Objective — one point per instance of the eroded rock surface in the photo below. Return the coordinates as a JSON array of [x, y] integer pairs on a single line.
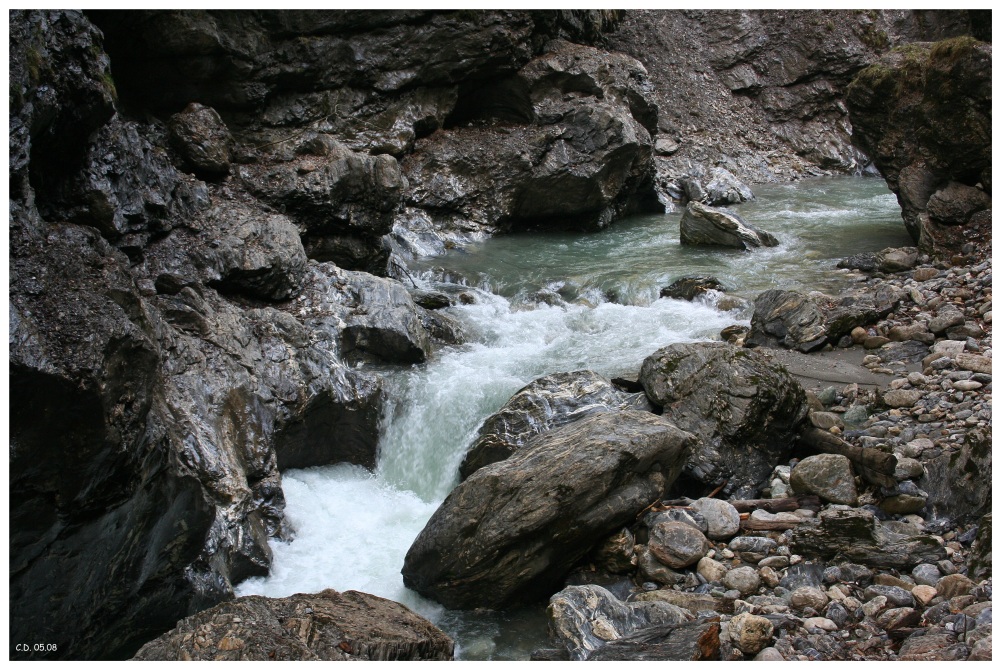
[[326, 626]]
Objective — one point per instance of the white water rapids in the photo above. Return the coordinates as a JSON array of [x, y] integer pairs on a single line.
[[353, 527]]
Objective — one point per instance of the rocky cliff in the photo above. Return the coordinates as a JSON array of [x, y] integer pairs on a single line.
[[205, 208]]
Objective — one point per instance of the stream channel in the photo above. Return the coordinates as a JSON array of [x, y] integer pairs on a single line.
[[545, 302]]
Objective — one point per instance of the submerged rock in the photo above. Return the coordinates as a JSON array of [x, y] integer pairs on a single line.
[[544, 404], [512, 530], [744, 409], [689, 288], [721, 227], [326, 626]]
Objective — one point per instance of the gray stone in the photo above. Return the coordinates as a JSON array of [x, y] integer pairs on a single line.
[[677, 545], [947, 317], [809, 596], [515, 528], [894, 595], [744, 579], [544, 404], [722, 518], [926, 574], [711, 570], [704, 225], [202, 138], [585, 618], [828, 476], [751, 544]]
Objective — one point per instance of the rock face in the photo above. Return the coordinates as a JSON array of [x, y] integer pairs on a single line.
[[544, 404], [572, 151], [509, 532], [744, 409], [923, 114], [326, 626], [721, 227], [760, 93]]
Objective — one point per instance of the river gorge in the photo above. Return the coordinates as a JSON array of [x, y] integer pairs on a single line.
[[573, 334]]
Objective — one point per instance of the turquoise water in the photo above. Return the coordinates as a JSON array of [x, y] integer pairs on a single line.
[[545, 303]]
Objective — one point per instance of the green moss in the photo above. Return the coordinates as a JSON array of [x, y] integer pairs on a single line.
[[954, 49]]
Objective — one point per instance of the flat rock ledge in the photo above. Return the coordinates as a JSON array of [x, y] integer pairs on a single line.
[[326, 626]]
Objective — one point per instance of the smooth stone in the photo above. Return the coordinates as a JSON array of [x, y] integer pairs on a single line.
[[902, 398], [676, 544], [954, 585], [894, 595], [819, 624], [722, 518], [908, 468], [809, 596], [744, 579], [769, 654], [926, 574], [902, 504], [711, 570]]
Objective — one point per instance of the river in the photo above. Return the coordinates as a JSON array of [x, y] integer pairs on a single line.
[[545, 303]]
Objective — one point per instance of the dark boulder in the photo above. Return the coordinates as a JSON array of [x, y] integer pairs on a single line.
[[693, 641], [701, 224], [744, 409], [344, 201], [689, 288], [960, 481], [201, 137], [102, 525], [924, 115], [510, 532], [326, 626], [544, 404]]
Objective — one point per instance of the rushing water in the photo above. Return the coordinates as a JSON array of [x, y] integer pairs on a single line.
[[544, 303]]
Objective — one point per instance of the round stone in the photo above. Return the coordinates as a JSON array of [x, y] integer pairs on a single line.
[[722, 518], [902, 504], [809, 596], [744, 579], [926, 574], [711, 570], [677, 544], [769, 654]]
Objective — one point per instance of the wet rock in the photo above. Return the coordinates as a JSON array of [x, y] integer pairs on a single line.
[[532, 516], [202, 138], [856, 535], [691, 287], [750, 633], [544, 404], [720, 227], [721, 517], [677, 545], [577, 155], [344, 201], [341, 626], [828, 476], [896, 260], [763, 405], [585, 618]]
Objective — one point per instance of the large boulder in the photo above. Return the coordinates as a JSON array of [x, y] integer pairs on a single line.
[[544, 404], [326, 626], [744, 409], [808, 322], [924, 115], [710, 226], [201, 137], [510, 532]]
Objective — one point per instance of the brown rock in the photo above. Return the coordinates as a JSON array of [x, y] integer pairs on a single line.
[[954, 585]]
